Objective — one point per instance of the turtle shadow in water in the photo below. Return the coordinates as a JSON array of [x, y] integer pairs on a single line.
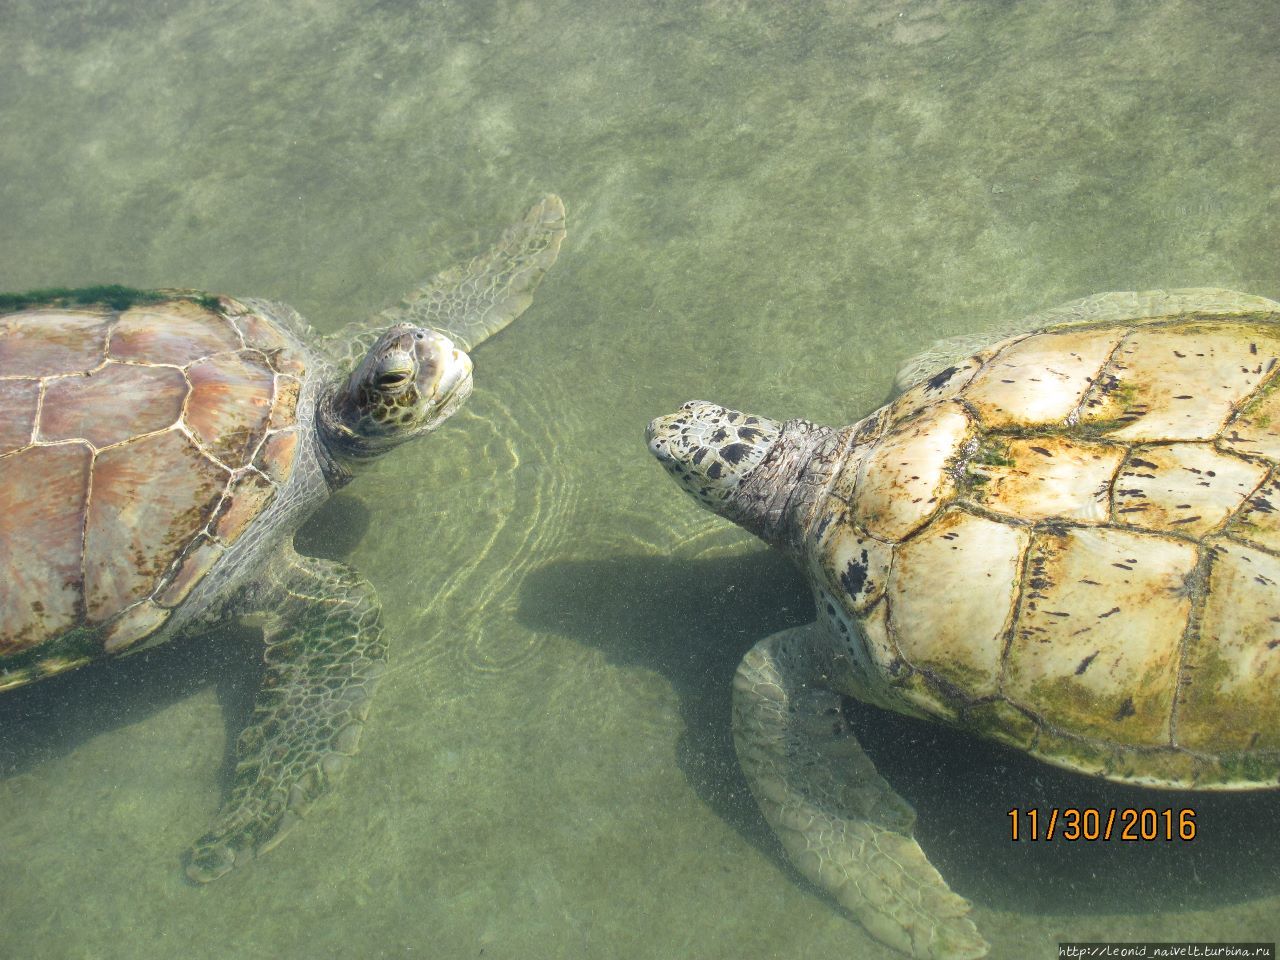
[[52, 718], [692, 637], [692, 621]]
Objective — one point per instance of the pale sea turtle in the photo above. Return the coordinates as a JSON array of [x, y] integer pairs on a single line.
[[1066, 540], [159, 449]]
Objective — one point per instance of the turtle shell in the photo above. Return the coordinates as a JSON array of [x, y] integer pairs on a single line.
[[138, 441], [1070, 542]]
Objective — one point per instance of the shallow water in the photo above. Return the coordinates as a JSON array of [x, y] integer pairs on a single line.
[[771, 205]]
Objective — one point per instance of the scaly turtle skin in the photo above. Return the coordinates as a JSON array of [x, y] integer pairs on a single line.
[[159, 449], [1066, 541]]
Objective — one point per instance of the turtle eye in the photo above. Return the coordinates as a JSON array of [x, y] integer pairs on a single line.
[[394, 379]]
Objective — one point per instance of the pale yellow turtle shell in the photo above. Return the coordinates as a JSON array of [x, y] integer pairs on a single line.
[[1069, 541]]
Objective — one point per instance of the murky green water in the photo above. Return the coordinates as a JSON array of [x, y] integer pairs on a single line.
[[771, 205]]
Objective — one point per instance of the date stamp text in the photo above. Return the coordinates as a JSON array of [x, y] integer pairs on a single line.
[[1125, 824]]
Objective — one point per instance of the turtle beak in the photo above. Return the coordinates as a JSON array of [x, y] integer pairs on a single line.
[[445, 375]]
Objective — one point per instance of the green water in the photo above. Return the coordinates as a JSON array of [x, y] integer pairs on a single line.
[[770, 205]]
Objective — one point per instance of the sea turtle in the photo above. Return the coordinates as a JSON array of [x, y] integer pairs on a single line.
[[1065, 540], [158, 450]]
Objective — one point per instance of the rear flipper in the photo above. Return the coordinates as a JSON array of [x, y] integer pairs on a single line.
[[841, 824]]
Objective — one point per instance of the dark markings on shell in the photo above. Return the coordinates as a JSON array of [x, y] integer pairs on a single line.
[[822, 525], [734, 452], [868, 428], [939, 380], [854, 577]]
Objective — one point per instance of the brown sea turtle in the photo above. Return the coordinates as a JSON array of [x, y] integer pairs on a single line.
[[159, 449], [1066, 540]]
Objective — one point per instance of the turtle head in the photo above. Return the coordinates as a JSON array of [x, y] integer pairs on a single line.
[[712, 451], [761, 474], [411, 380]]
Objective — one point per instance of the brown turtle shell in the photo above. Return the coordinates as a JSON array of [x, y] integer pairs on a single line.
[[136, 445], [1068, 541]]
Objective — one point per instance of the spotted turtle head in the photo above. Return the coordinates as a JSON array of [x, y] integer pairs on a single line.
[[711, 450], [411, 380]]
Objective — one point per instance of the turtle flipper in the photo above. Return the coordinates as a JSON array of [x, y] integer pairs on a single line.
[[841, 824], [324, 654], [472, 301]]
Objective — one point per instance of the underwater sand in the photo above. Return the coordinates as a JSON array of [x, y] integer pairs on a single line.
[[770, 205]]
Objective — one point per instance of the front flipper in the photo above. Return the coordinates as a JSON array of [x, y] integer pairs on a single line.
[[324, 654], [841, 824], [472, 301]]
